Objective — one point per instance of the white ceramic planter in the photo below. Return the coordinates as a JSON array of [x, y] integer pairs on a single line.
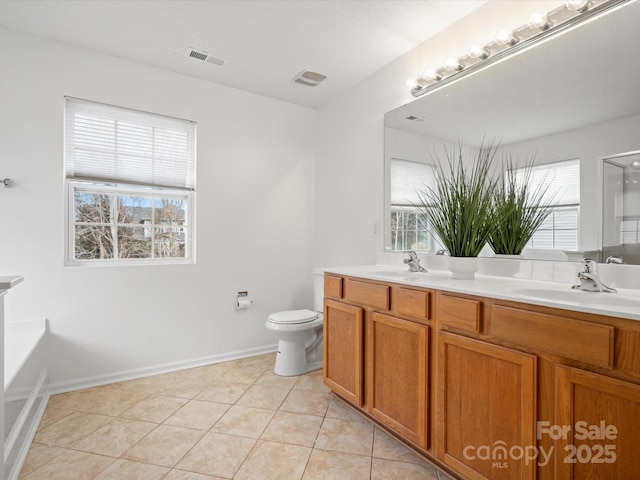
[[510, 265], [463, 268]]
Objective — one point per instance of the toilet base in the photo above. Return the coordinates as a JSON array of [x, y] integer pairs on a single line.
[[311, 367], [291, 359]]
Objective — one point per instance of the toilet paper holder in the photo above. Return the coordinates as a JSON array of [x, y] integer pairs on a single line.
[[243, 301]]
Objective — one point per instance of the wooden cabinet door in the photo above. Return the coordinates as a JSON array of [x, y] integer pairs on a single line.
[[601, 418], [486, 404], [343, 354], [397, 375]]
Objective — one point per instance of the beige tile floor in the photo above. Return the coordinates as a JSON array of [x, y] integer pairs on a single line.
[[233, 420]]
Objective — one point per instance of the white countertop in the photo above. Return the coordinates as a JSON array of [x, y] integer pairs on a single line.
[[624, 304], [9, 282]]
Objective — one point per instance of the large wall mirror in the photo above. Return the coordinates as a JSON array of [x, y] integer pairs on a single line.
[[572, 98]]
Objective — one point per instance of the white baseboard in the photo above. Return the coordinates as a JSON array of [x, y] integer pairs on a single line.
[[95, 381]]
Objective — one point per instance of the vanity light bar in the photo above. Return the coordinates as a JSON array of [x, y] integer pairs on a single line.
[[539, 27]]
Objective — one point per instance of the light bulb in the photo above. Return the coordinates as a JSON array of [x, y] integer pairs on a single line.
[[505, 37], [431, 75], [411, 83], [578, 5], [452, 64], [539, 20], [478, 51]]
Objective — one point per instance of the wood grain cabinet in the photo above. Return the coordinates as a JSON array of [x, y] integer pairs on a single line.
[[459, 313], [343, 350], [596, 426], [486, 400], [479, 385], [377, 352], [575, 339], [397, 366]]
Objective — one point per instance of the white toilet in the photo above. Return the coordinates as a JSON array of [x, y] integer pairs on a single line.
[[300, 335]]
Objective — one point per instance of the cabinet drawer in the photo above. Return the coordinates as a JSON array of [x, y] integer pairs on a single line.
[[459, 313], [575, 339], [332, 286], [370, 294], [413, 303]]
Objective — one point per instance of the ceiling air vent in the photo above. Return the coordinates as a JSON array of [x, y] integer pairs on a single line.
[[309, 78], [415, 118], [205, 57]]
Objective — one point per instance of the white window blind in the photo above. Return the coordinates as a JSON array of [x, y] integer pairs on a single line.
[[561, 228], [562, 180], [120, 145], [407, 178]]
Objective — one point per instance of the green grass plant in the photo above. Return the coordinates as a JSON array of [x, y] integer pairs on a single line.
[[459, 207], [519, 209]]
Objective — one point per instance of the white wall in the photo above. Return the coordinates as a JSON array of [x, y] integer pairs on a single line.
[[349, 171], [254, 216]]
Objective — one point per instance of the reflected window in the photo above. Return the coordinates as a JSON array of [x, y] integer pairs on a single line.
[[130, 178], [630, 232], [409, 228], [560, 231]]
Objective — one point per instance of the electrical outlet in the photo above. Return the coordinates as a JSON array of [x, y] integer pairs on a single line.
[[375, 229]]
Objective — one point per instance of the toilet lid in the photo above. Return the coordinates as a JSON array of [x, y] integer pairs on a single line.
[[293, 316]]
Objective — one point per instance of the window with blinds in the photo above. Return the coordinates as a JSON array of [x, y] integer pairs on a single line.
[[560, 231], [409, 228], [131, 179]]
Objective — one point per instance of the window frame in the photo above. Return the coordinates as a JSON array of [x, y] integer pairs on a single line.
[[554, 210], [100, 156], [73, 186], [422, 226]]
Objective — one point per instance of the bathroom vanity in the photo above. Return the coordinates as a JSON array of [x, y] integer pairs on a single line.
[[493, 378]]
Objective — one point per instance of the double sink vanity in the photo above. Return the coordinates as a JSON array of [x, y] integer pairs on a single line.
[[492, 378], [507, 377]]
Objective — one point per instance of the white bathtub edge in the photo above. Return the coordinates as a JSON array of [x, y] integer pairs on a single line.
[[33, 429], [34, 331]]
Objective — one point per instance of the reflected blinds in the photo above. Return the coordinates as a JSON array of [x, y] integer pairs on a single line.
[[562, 178], [408, 177]]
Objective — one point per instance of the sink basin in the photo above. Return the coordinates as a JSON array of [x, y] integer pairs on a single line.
[[398, 273], [579, 296], [391, 273]]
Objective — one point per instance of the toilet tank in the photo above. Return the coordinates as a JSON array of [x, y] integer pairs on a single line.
[[318, 291]]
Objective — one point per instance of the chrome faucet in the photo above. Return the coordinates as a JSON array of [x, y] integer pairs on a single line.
[[589, 279], [414, 262], [615, 259]]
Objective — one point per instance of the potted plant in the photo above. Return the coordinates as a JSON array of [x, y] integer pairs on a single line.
[[459, 207], [520, 207]]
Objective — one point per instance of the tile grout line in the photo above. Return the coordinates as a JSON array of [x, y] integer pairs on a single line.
[[309, 381], [270, 421], [122, 456], [313, 447], [211, 428]]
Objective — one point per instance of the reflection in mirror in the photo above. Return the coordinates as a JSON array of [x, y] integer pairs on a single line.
[[573, 97], [559, 231], [408, 224], [621, 208]]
